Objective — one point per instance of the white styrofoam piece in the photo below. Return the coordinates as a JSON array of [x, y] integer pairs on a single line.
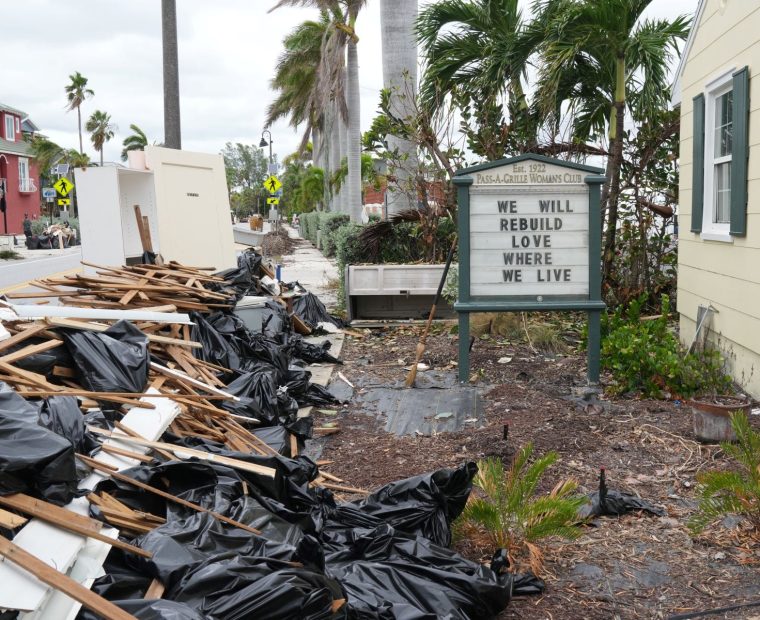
[[71, 312], [61, 549], [4, 333]]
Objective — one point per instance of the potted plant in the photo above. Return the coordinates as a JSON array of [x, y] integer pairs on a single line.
[[712, 416]]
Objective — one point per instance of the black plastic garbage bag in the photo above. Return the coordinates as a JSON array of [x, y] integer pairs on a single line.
[[606, 503], [33, 459], [424, 505], [311, 353], [389, 575], [115, 360], [275, 319], [150, 609], [313, 312], [61, 415], [215, 347], [242, 587], [42, 363]]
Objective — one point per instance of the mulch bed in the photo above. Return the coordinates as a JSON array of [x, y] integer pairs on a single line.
[[632, 567]]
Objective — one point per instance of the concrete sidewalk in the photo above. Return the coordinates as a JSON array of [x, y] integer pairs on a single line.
[[313, 270]]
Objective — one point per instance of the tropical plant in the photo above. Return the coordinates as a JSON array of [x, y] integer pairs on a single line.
[[732, 492], [397, 20], [172, 127], [76, 159], [338, 81], [476, 53], [76, 93], [513, 516], [136, 141], [601, 59], [101, 130], [46, 153]]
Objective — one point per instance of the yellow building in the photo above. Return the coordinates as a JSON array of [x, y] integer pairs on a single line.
[[719, 214]]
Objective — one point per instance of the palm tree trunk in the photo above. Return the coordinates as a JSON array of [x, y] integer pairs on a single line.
[[616, 142], [79, 123], [334, 154], [101, 156], [354, 185], [172, 131], [342, 142], [397, 19]]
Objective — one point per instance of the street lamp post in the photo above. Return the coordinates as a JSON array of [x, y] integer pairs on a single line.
[[264, 143]]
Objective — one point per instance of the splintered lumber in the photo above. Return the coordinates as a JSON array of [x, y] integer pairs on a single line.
[[338, 487], [11, 521], [168, 496], [32, 349], [128, 395], [66, 520], [21, 336], [61, 582], [169, 372], [179, 451], [155, 589]]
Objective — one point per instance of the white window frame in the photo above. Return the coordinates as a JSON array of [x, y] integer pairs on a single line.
[[712, 231], [10, 128], [18, 125], [23, 174]]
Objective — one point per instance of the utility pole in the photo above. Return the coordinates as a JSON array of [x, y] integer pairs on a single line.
[[172, 130]]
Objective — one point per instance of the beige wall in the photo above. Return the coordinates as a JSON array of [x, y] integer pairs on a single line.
[[724, 275]]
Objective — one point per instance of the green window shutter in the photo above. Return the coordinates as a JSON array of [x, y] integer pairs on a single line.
[[698, 164], [740, 153]]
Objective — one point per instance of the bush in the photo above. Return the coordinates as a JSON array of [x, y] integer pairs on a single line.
[[329, 224], [646, 357], [310, 226], [732, 492], [348, 251], [513, 516]]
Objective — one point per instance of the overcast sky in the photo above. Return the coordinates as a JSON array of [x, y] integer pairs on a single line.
[[227, 53]]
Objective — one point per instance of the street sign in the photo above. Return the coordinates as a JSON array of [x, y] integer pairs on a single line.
[[48, 193], [272, 184], [273, 201], [529, 240], [64, 202], [272, 168], [63, 186]]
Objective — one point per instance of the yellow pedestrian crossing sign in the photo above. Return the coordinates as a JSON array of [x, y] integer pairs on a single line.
[[64, 202], [63, 186], [273, 201], [272, 184]]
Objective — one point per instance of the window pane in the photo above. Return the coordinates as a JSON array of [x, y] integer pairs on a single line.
[[723, 124], [722, 213]]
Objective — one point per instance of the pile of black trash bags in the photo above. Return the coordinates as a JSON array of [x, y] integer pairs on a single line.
[[385, 557]]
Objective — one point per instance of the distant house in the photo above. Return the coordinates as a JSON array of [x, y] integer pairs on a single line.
[[18, 171], [718, 88]]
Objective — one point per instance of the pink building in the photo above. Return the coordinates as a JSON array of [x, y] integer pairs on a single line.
[[19, 177]]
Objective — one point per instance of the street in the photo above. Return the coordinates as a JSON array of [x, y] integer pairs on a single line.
[[14, 274]]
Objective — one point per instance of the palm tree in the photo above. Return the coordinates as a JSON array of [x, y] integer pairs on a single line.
[[46, 153], [172, 131], [76, 93], [397, 19], [599, 57], [476, 51], [101, 130], [136, 141], [339, 51]]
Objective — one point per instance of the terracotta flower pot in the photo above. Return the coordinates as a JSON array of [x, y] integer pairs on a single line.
[[712, 418]]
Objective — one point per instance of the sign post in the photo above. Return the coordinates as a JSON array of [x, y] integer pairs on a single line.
[[529, 240]]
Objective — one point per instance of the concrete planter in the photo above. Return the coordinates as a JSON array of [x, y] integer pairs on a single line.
[[393, 291], [712, 419]]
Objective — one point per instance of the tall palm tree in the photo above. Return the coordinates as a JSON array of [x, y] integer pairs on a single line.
[[172, 127], [136, 141], [477, 51], [46, 153], [602, 59], [397, 19], [339, 51], [101, 130], [76, 93]]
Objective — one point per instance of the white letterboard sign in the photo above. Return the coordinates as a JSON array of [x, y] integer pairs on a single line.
[[529, 231]]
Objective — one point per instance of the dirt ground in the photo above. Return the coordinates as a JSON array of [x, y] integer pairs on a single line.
[[636, 566]]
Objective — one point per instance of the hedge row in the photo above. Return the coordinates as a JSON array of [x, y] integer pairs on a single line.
[[327, 223]]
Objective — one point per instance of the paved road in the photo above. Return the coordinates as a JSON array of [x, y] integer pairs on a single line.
[[14, 274]]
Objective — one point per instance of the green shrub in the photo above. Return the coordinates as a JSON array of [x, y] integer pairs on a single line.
[[348, 251], [310, 225], [646, 357], [512, 515], [732, 492], [329, 224]]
